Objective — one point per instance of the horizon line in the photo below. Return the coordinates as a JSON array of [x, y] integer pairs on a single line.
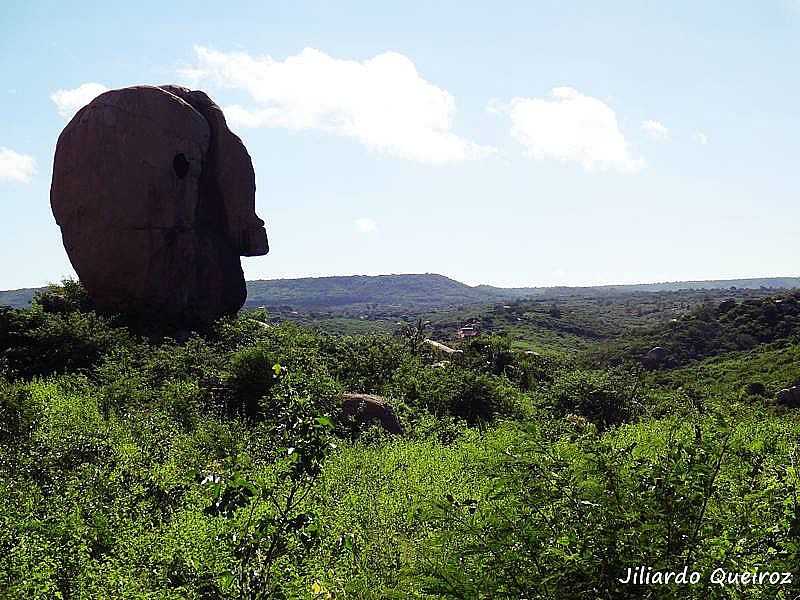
[[477, 285]]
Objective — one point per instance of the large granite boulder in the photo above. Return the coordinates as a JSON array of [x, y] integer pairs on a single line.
[[155, 198]]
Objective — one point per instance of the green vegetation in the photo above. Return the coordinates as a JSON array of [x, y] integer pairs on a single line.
[[711, 329], [361, 292], [136, 466], [358, 294]]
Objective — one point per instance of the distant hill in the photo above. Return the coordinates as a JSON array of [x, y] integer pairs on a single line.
[[423, 291], [718, 284], [18, 298], [431, 290], [389, 291]]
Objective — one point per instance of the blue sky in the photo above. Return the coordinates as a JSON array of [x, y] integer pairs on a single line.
[[511, 143]]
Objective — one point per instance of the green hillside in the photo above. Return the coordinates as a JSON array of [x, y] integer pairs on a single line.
[[18, 298], [224, 465], [388, 291]]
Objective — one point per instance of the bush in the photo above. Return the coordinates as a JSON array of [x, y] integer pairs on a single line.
[[183, 400], [605, 398], [68, 297], [37, 343], [252, 373], [365, 363], [18, 411], [453, 391]]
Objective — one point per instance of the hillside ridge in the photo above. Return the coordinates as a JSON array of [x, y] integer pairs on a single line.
[[423, 290]]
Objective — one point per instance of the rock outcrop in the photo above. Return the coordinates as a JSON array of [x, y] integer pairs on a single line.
[[368, 408], [155, 198]]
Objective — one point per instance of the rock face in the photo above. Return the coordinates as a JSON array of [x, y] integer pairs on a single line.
[[155, 198], [368, 408]]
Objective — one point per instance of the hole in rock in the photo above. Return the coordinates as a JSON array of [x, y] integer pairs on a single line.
[[180, 165]]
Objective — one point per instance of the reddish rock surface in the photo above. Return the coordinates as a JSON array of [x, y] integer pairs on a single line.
[[155, 198]]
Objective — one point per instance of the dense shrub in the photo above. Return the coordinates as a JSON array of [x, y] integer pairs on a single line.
[[363, 363], [68, 297], [454, 391], [252, 372], [35, 342], [18, 412], [711, 330], [605, 398]]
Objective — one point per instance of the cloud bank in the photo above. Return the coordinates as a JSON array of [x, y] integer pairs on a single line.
[[68, 102], [382, 102], [16, 167], [570, 127]]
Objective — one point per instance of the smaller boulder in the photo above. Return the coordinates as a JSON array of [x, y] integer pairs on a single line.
[[656, 357], [789, 397], [368, 408]]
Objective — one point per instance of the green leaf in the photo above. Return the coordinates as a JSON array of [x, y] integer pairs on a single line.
[[325, 422]]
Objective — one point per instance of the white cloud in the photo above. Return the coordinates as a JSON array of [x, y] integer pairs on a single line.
[[700, 138], [68, 102], [15, 166], [383, 102], [656, 130], [570, 127], [364, 225]]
